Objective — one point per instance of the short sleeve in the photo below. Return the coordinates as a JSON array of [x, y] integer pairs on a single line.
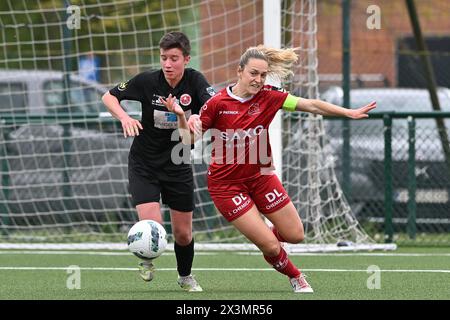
[[278, 97], [130, 90], [204, 91], [208, 115]]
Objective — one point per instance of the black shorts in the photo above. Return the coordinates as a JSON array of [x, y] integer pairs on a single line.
[[174, 185]]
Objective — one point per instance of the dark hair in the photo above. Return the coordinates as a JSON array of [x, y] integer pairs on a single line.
[[176, 39]]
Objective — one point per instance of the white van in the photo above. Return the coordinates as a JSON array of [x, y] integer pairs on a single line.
[[61, 166]]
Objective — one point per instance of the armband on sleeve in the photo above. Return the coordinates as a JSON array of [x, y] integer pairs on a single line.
[[290, 103]]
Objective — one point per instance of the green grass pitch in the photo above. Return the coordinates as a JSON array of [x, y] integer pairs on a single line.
[[407, 273]]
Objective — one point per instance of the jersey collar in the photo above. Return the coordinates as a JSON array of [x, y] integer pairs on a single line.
[[166, 83], [232, 95]]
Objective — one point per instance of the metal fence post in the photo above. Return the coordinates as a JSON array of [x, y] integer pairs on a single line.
[[4, 214], [412, 185], [388, 197], [346, 85]]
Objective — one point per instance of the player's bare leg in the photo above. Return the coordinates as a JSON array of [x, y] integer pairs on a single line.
[[253, 227], [184, 249], [287, 224], [148, 211]]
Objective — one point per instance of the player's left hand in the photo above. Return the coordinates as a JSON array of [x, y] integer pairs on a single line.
[[361, 113], [171, 104]]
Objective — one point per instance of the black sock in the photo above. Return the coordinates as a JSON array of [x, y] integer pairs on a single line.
[[185, 256]]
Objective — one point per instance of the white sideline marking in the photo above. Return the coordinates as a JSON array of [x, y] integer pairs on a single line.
[[94, 253], [69, 252], [205, 253], [229, 269], [362, 254], [232, 247]]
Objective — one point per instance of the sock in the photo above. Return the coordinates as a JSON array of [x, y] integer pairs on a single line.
[[282, 264], [147, 262], [277, 234], [185, 256]]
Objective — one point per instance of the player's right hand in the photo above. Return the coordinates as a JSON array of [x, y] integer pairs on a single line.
[[195, 124], [130, 127]]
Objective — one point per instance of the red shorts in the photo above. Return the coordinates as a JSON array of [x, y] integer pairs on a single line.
[[235, 199]]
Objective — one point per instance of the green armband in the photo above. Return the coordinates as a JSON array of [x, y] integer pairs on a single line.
[[290, 103]]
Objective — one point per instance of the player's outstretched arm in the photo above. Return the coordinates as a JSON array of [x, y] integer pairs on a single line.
[[183, 127], [328, 109]]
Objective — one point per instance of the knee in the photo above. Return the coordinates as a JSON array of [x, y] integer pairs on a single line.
[[297, 236], [271, 248], [182, 237]]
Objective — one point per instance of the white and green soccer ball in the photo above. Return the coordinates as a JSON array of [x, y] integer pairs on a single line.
[[147, 239]]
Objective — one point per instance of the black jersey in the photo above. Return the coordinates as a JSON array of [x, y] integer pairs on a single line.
[[153, 146]]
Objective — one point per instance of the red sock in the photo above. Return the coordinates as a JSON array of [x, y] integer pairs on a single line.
[[282, 264], [277, 234]]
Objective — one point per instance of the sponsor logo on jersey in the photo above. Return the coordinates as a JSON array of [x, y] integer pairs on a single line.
[[123, 85], [241, 134], [254, 109], [228, 112], [166, 119], [156, 100], [185, 99], [211, 91], [170, 117]]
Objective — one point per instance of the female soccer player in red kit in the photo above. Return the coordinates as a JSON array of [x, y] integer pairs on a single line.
[[240, 180]]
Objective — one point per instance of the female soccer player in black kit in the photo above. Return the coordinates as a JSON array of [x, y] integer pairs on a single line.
[[152, 172]]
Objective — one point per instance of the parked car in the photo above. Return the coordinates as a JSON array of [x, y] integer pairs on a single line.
[[38, 92], [367, 155], [74, 171]]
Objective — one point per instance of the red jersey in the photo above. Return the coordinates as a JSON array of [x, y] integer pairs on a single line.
[[239, 130]]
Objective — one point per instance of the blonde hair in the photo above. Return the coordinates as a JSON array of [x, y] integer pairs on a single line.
[[280, 61]]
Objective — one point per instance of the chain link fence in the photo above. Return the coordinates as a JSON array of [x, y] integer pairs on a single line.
[[388, 67]]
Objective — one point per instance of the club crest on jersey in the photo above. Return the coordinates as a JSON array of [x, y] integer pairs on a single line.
[[185, 99], [123, 85], [254, 109], [211, 91]]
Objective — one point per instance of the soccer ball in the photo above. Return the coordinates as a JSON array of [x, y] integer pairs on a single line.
[[147, 239]]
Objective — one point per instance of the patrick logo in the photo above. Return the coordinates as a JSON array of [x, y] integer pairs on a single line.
[[185, 99], [254, 109]]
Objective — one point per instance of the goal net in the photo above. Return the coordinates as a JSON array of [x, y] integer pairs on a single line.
[[64, 159]]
